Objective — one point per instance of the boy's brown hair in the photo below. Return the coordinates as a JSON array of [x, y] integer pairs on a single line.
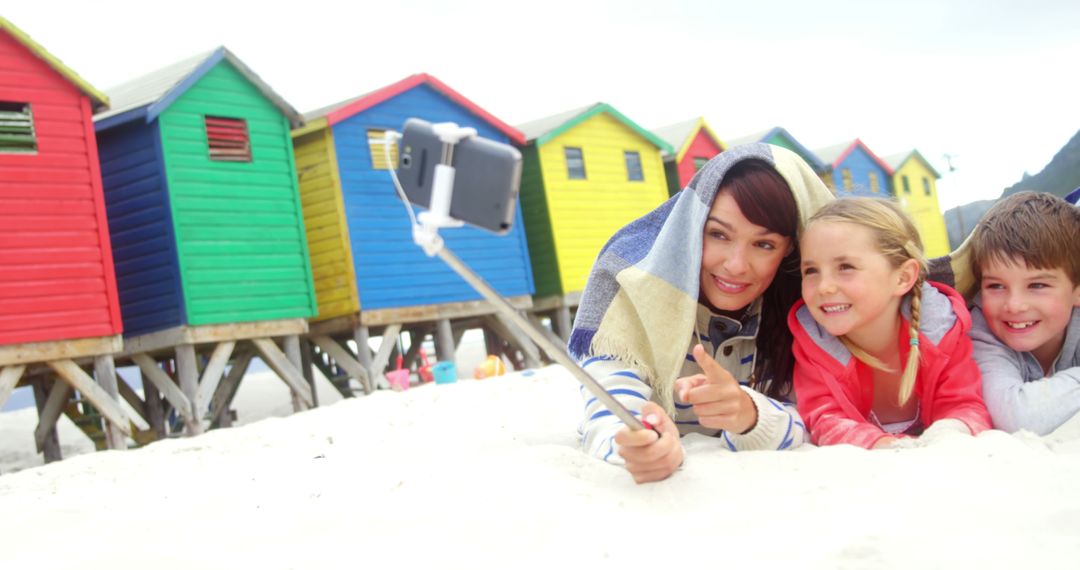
[[1038, 228]]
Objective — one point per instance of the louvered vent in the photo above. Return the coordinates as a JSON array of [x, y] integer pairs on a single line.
[[16, 128], [228, 139]]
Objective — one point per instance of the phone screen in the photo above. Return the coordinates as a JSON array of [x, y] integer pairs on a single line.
[[486, 179]]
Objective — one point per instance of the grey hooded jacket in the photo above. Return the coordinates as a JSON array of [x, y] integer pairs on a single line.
[[1016, 391]]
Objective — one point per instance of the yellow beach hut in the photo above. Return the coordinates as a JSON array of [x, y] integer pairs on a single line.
[[915, 184], [587, 172]]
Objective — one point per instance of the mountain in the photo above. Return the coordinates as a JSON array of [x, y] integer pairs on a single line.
[[1059, 177]]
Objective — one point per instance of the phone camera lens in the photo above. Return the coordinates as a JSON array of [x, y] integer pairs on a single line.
[[406, 160]]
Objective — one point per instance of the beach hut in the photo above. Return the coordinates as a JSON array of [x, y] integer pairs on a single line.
[[369, 274], [694, 143], [208, 236], [779, 136], [58, 300], [587, 173], [914, 182], [852, 169]]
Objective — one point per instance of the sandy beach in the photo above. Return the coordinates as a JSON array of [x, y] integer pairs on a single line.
[[488, 474]]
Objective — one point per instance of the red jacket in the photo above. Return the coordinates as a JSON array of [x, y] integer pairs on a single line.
[[835, 390]]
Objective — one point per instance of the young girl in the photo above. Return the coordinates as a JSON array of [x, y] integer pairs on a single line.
[[880, 353]]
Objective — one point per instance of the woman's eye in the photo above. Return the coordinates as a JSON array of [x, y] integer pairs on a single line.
[[716, 234], [766, 245]]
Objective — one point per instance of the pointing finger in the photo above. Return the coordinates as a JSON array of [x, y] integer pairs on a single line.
[[713, 371]]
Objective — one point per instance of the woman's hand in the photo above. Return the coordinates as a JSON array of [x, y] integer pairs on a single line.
[[718, 400], [649, 457]]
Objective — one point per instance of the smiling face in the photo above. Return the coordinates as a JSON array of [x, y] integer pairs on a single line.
[[850, 288], [739, 259], [1028, 309]]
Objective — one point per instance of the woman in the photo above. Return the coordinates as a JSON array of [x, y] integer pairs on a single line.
[[717, 265]]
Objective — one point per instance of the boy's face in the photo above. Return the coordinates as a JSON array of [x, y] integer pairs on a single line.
[[1028, 309]]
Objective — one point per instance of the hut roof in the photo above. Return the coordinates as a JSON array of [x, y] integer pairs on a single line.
[[835, 154], [679, 136], [342, 110], [99, 101], [547, 128], [815, 160], [895, 161], [149, 95]]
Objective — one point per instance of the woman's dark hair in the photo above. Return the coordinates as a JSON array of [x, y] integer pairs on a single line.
[[766, 200]]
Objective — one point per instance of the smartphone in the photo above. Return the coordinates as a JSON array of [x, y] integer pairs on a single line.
[[487, 175]]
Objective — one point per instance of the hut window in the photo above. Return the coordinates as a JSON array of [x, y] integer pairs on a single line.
[[700, 161], [575, 163], [16, 128], [633, 165], [228, 139], [875, 187], [926, 186], [907, 185], [846, 175], [377, 147]]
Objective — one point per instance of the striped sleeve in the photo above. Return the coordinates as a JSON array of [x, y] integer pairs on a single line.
[[779, 426], [599, 425]]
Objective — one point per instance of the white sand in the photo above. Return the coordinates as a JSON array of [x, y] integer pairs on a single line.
[[487, 474]]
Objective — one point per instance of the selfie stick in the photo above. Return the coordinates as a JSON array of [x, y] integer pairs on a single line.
[[426, 235]]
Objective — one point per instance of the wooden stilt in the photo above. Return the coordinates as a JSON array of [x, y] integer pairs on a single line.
[[187, 372], [211, 377], [9, 377], [444, 340], [508, 332], [382, 356], [155, 412], [49, 413], [345, 360], [49, 445], [291, 344], [561, 323], [105, 370], [226, 391], [363, 356], [306, 363], [132, 398], [160, 380], [90, 390], [285, 370]]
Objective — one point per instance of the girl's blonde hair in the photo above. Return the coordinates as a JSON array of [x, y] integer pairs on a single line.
[[898, 240]]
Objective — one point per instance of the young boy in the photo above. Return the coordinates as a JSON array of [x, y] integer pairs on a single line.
[[1025, 320]]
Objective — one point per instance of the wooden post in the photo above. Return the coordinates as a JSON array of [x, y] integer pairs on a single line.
[[162, 381], [226, 391], [344, 360], [211, 377], [280, 364], [509, 332], [155, 413], [9, 377], [105, 370], [90, 390], [561, 323], [187, 372], [50, 446], [363, 356], [291, 344], [306, 363], [48, 412], [444, 340]]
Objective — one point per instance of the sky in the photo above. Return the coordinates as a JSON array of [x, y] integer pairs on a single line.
[[991, 83]]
